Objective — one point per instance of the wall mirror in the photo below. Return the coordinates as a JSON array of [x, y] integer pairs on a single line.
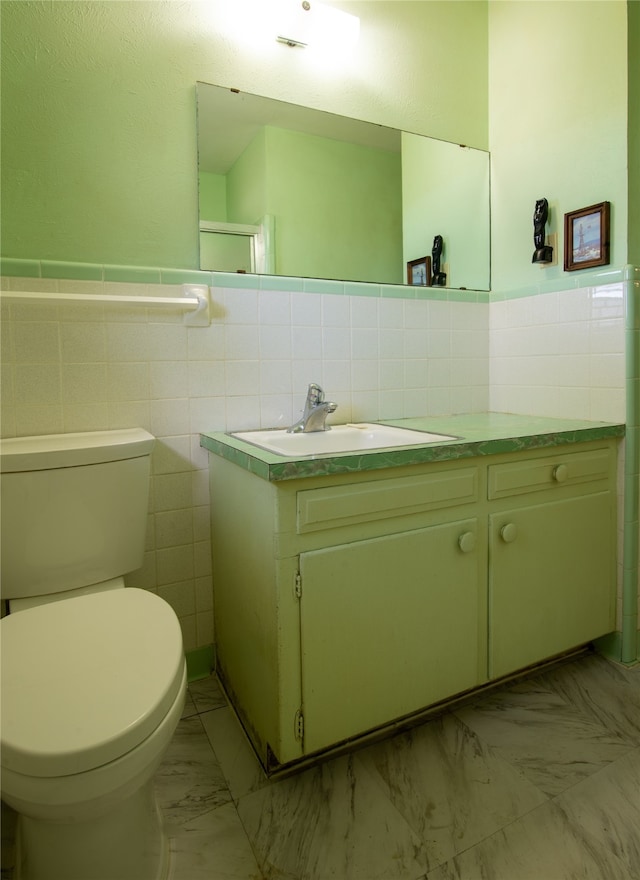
[[288, 190]]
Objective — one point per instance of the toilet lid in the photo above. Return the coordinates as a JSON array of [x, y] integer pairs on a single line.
[[85, 680]]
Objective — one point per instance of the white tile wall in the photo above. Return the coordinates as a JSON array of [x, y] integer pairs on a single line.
[[94, 367], [560, 354]]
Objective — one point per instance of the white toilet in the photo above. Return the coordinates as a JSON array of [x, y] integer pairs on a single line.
[[93, 674]]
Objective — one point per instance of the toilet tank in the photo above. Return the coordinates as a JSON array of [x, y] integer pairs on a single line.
[[73, 509]]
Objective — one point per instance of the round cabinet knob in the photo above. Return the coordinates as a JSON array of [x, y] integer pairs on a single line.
[[509, 533], [467, 542], [560, 473]]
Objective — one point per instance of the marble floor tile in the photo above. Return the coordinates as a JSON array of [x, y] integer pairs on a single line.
[[538, 781], [605, 692], [213, 847], [543, 845], [189, 782], [552, 742], [450, 787], [207, 694], [331, 821], [241, 768], [607, 807], [190, 708]]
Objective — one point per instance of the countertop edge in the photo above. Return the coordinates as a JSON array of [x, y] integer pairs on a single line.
[[274, 468]]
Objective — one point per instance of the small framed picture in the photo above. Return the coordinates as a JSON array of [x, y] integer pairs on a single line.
[[419, 272], [586, 237]]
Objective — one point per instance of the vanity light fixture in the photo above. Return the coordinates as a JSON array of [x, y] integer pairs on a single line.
[[303, 23]]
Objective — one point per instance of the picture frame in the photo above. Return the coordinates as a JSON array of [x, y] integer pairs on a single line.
[[586, 237], [419, 272]]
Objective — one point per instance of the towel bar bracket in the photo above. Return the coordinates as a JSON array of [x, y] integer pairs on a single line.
[[201, 315]]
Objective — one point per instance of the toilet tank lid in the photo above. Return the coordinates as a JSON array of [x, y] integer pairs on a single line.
[[50, 451]]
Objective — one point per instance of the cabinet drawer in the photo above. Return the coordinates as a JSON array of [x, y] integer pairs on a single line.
[[381, 499], [544, 473]]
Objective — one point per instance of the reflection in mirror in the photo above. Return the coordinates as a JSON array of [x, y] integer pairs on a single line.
[[287, 190]]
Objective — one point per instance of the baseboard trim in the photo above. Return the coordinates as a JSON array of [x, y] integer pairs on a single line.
[[200, 662]]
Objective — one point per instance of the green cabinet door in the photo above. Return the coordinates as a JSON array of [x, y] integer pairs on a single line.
[[388, 626], [551, 579]]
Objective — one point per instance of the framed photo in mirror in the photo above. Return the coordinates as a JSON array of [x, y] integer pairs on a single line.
[[586, 237], [419, 272]]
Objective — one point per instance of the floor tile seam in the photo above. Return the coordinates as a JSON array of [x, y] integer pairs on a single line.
[[196, 814], [206, 709], [305, 875], [498, 758], [493, 834], [498, 755], [178, 828], [206, 733], [500, 831], [376, 782], [175, 829], [635, 747], [596, 773], [256, 855], [235, 800], [596, 844], [189, 715], [227, 791]]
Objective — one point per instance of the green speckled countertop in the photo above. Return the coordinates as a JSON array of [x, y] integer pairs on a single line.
[[478, 434]]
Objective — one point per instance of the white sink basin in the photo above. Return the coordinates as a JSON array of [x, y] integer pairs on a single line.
[[360, 437]]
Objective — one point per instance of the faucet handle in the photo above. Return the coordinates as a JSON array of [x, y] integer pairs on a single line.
[[315, 394]]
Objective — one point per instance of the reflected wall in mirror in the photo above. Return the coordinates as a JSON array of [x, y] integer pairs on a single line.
[[287, 190]]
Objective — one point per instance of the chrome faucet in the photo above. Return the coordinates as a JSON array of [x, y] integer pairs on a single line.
[[316, 410]]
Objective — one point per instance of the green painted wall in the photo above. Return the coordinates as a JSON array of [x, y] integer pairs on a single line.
[[99, 129], [445, 191], [99, 121], [212, 194], [247, 200], [337, 208], [633, 12], [558, 125]]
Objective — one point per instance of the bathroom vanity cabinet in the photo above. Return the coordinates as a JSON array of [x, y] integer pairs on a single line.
[[347, 601], [551, 583]]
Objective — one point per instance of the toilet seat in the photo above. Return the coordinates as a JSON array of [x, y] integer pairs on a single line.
[[86, 679]]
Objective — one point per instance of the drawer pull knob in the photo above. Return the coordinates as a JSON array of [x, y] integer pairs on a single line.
[[467, 542], [509, 533], [560, 473]]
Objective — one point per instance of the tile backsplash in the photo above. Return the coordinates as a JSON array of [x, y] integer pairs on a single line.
[[560, 354], [93, 367]]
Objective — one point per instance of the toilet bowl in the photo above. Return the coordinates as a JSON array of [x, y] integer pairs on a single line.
[[93, 672], [84, 732]]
